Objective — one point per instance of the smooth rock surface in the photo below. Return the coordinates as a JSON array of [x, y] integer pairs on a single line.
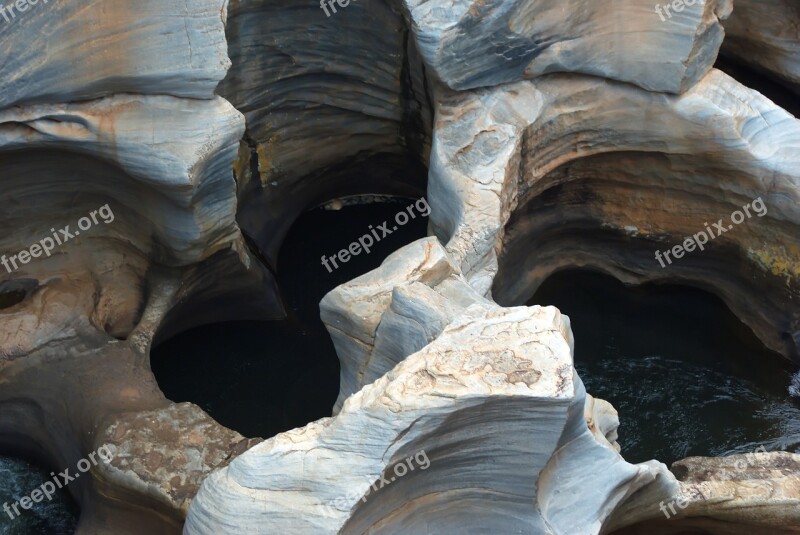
[[530, 170], [70, 50], [471, 44], [443, 400], [323, 94]]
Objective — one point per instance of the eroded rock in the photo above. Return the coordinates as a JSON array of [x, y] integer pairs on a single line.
[[524, 39]]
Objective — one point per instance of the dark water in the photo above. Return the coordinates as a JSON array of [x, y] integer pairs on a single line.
[[19, 478], [263, 378], [687, 377]]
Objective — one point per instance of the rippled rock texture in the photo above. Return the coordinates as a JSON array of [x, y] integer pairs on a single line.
[[174, 143], [612, 188], [489, 400]]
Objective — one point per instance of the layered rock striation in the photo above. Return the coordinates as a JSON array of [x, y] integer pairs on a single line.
[[117, 170], [765, 36], [556, 136], [469, 45], [578, 165]]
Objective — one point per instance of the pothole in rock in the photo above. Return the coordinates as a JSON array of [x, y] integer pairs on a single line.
[[18, 480], [13, 292], [263, 378], [686, 376]]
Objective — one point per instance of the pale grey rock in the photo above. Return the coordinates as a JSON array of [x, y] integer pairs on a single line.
[[178, 148], [470, 44], [488, 420], [603, 421], [69, 50], [375, 324]]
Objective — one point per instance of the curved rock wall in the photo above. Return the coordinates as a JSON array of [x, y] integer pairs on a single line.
[[582, 169], [316, 101], [764, 35], [566, 134], [117, 167]]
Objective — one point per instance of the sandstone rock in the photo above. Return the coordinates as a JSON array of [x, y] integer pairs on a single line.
[[533, 169], [155, 47], [471, 44], [489, 421], [765, 35], [166, 453], [736, 494]]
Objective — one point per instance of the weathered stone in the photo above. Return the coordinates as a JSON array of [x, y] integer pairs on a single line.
[[513, 166], [488, 420], [470, 44], [71, 50], [765, 35]]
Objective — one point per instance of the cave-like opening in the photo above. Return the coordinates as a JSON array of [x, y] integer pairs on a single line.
[[262, 378]]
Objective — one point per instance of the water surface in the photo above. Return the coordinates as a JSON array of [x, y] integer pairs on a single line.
[[19, 478], [263, 378], [687, 377]]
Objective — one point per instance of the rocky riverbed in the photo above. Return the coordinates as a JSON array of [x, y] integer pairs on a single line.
[[157, 158]]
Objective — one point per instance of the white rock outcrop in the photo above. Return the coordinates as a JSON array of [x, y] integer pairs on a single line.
[[566, 156], [492, 401]]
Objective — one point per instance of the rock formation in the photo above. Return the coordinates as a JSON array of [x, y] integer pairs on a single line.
[[524, 39], [118, 126], [613, 188], [764, 35], [555, 135]]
